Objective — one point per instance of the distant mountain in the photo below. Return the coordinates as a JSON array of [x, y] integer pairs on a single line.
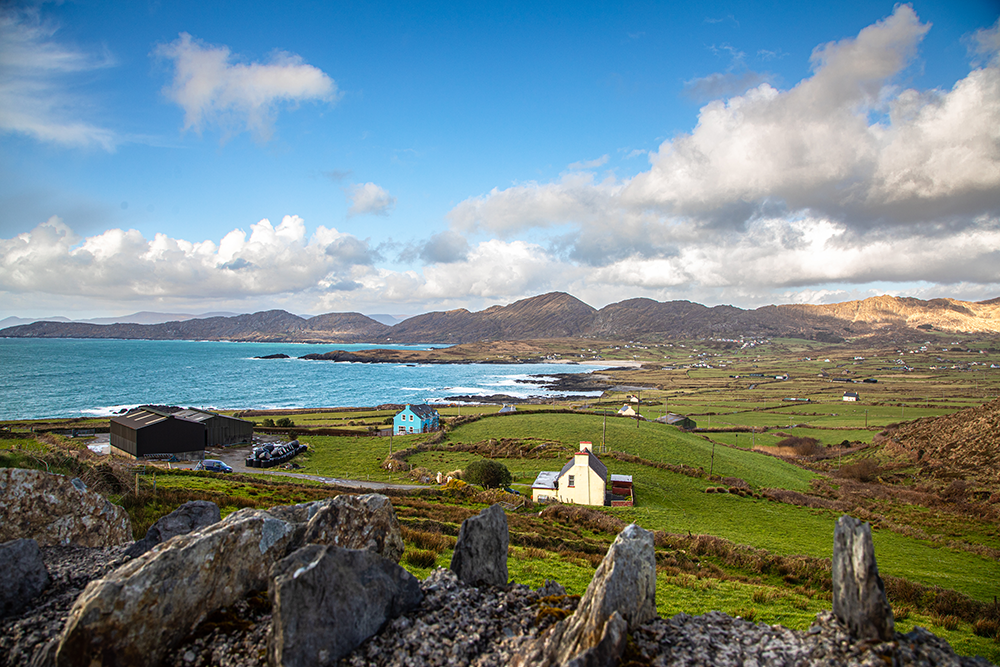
[[388, 320], [560, 315], [15, 321], [146, 317]]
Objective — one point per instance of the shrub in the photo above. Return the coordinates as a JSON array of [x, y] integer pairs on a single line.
[[267, 422], [420, 557], [284, 421], [488, 474], [864, 470]]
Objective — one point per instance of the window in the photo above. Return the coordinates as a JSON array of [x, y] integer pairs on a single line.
[[572, 480]]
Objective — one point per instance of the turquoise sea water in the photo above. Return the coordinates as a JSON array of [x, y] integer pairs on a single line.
[[74, 377]]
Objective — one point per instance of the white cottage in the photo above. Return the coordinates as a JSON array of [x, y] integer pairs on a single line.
[[582, 481]]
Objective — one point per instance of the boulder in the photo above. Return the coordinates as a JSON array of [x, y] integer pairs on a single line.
[[327, 600], [24, 575], [357, 522], [55, 510], [190, 516], [620, 598], [136, 614], [859, 600], [480, 556]]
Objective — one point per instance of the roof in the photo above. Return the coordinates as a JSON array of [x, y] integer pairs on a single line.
[[144, 417], [194, 414], [421, 410], [592, 461], [507, 408], [546, 480], [621, 478]]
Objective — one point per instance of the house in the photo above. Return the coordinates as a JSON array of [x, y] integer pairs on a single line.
[[157, 434], [626, 411], [582, 481], [680, 421], [851, 396], [416, 419], [221, 430], [507, 409]]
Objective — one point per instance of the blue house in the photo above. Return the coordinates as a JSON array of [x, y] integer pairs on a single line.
[[415, 419]]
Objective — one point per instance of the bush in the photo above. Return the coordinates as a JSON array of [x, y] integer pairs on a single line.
[[864, 470], [284, 421], [488, 474], [267, 422], [419, 557]]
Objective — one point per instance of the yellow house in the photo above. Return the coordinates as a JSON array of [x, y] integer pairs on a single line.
[[582, 481]]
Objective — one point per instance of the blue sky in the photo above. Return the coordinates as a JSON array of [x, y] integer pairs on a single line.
[[406, 157]]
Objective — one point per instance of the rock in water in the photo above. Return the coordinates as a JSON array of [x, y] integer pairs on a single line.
[[327, 600], [54, 510], [24, 575], [358, 522], [620, 598], [480, 556], [859, 600], [136, 614], [188, 517]]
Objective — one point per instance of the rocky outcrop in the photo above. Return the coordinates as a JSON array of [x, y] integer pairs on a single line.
[[144, 608], [357, 522], [859, 600], [620, 598], [480, 555], [326, 600], [55, 510], [24, 575], [187, 518]]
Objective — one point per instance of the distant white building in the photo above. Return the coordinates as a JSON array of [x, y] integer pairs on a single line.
[[851, 396]]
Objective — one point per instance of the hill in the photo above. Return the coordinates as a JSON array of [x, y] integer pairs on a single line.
[[560, 315], [961, 445]]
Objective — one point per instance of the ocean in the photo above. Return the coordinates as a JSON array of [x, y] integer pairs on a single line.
[[42, 378]]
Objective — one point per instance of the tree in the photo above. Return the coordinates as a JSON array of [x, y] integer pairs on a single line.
[[488, 474], [267, 422], [284, 421]]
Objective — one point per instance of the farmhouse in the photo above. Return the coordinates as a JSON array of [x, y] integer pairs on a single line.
[[416, 419], [627, 411], [851, 396], [582, 481], [156, 434], [220, 430]]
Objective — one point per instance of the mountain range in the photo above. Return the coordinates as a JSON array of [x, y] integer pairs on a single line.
[[560, 315]]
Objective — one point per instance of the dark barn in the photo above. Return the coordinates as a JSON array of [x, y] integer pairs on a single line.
[[221, 430], [147, 433]]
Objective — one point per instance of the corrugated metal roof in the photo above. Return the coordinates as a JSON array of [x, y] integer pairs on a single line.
[[144, 417], [546, 480], [621, 478], [194, 414]]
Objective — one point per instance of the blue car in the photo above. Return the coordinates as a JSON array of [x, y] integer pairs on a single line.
[[213, 465]]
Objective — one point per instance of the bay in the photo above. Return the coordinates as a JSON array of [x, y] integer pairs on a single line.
[[41, 378]]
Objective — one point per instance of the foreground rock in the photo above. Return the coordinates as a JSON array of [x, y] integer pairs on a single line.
[[356, 522], [620, 598], [24, 576], [326, 601], [52, 509], [859, 600], [188, 517], [480, 555]]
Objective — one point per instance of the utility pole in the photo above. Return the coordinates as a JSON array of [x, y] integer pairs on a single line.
[[711, 468], [604, 434]]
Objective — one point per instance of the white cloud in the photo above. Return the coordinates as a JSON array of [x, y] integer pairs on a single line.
[[588, 164], [124, 265], [236, 97], [369, 198], [845, 178], [36, 76]]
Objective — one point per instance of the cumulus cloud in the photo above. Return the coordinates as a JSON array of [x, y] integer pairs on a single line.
[[369, 198], [214, 91], [843, 178], [445, 248], [588, 164], [36, 77], [122, 264]]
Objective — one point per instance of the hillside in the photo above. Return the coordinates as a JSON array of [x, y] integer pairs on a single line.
[[964, 444], [560, 315]]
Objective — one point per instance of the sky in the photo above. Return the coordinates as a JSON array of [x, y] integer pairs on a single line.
[[406, 157]]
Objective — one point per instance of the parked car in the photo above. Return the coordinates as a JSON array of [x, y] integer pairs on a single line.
[[213, 465]]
